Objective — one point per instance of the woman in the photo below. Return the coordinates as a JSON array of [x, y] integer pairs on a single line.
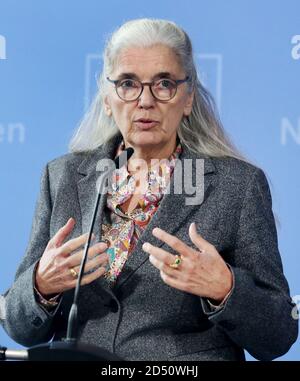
[[174, 277]]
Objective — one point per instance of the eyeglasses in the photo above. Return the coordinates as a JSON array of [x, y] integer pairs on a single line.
[[162, 89]]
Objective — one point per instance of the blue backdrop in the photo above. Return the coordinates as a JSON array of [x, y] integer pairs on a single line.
[[248, 54]]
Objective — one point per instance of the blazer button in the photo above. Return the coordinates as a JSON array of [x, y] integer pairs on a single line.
[[37, 321]]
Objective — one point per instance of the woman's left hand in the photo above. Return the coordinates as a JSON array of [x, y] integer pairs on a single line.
[[203, 273]]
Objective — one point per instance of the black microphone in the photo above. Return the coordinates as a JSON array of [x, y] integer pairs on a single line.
[[73, 315]]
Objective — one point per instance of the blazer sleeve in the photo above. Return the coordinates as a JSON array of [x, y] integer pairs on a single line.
[[258, 314], [23, 318]]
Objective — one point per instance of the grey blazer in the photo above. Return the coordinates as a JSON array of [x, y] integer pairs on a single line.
[[142, 318]]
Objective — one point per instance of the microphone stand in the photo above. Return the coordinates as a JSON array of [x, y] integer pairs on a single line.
[[69, 349], [73, 315]]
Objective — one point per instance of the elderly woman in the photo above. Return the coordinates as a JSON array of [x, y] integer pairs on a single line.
[[170, 276]]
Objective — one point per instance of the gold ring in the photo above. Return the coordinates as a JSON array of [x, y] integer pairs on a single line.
[[176, 262], [74, 273]]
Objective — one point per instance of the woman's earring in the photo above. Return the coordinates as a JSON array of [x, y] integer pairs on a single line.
[[108, 111]]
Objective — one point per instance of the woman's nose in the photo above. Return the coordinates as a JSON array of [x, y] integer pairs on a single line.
[[146, 99]]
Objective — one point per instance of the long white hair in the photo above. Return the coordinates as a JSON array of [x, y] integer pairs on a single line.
[[201, 131]]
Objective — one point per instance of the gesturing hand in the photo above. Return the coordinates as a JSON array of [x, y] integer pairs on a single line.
[[56, 266], [201, 272]]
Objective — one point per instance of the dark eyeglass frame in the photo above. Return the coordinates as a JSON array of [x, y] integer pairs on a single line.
[[150, 84]]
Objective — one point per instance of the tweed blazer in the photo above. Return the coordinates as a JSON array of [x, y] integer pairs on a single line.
[[142, 318]]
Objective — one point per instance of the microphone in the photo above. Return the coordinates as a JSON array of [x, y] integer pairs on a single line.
[[73, 315]]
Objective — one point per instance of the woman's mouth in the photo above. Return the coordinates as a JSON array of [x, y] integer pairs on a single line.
[[145, 124]]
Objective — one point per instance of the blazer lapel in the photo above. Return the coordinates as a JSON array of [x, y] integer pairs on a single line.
[[86, 186]]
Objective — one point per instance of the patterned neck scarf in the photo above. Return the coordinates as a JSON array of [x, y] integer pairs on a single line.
[[126, 228]]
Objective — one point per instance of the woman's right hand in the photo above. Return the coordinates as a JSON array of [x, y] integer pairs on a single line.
[[54, 271]]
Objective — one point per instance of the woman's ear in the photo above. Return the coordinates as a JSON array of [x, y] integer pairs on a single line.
[[189, 104], [107, 107]]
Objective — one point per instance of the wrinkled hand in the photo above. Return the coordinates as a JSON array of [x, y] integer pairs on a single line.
[[201, 272], [53, 275]]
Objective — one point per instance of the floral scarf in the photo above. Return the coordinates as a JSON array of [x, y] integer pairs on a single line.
[[126, 228]]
